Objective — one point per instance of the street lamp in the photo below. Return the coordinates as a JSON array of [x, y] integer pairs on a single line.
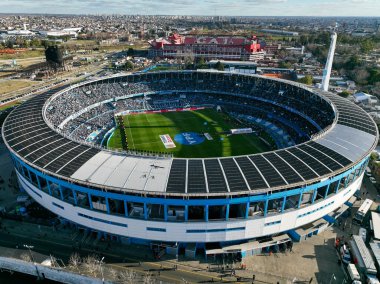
[[30, 251], [332, 277], [101, 268], [31, 256]]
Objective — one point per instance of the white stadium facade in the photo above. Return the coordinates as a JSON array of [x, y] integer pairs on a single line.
[[291, 192]]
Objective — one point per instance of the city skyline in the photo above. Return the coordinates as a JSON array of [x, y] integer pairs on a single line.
[[340, 8]]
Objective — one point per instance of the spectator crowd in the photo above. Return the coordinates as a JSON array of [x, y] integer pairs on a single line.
[[91, 108]]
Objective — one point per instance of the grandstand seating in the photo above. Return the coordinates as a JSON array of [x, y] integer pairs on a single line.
[[90, 108]]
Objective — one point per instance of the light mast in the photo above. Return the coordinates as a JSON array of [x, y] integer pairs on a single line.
[[329, 62]]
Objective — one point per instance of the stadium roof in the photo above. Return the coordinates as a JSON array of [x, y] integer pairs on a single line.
[[351, 138]]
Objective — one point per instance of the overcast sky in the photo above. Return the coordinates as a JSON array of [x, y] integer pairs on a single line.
[[197, 7]]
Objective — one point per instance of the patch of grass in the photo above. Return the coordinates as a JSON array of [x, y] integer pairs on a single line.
[[143, 132], [121, 47], [8, 86], [80, 42], [165, 68], [9, 105], [23, 55]]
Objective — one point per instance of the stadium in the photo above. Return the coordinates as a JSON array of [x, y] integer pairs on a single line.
[[272, 159]]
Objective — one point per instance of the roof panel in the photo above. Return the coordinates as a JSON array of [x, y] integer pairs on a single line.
[[312, 162], [298, 164], [75, 164], [177, 177], [234, 177], [252, 175], [333, 154], [323, 158], [289, 174], [215, 178], [267, 170], [196, 177]]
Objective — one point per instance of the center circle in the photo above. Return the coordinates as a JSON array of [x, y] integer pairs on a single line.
[[189, 138]]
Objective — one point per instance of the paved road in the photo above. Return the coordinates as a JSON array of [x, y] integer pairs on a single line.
[[161, 270]]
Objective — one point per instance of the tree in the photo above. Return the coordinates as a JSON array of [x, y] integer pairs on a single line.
[[374, 76], [344, 94], [74, 261], [323, 38], [189, 58], [130, 52], [304, 40], [307, 80], [128, 277], [148, 279], [367, 45], [9, 44], [26, 257], [113, 273], [374, 156], [35, 42], [45, 43], [284, 64], [128, 65], [353, 62], [66, 38], [91, 264], [200, 60], [200, 63], [360, 76], [376, 89], [219, 66]]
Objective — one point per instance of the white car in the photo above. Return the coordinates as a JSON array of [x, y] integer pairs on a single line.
[[373, 180], [368, 174]]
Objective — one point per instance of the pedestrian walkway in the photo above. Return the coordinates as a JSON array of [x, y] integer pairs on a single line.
[[130, 255]]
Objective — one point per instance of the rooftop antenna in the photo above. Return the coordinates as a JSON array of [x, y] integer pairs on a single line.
[[329, 62]]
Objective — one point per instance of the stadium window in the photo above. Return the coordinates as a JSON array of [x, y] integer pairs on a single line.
[[68, 195], [321, 191], [17, 165], [43, 184], [306, 198], [217, 212], [361, 169], [275, 206], [350, 178], [156, 211], [135, 210], [116, 206], [332, 188], [33, 178], [25, 173], [342, 183], [54, 189], [176, 213], [357, 174], [291, 202], [364, 166], [196, 213], [256, 209], [82, 199], [99, 203], [237, 211]]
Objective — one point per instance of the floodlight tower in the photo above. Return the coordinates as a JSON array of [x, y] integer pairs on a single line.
[[329, 62]]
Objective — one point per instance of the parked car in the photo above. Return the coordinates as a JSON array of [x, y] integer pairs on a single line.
[[373, 180]]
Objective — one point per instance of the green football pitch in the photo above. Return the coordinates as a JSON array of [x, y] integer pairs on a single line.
[[143, 133]]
